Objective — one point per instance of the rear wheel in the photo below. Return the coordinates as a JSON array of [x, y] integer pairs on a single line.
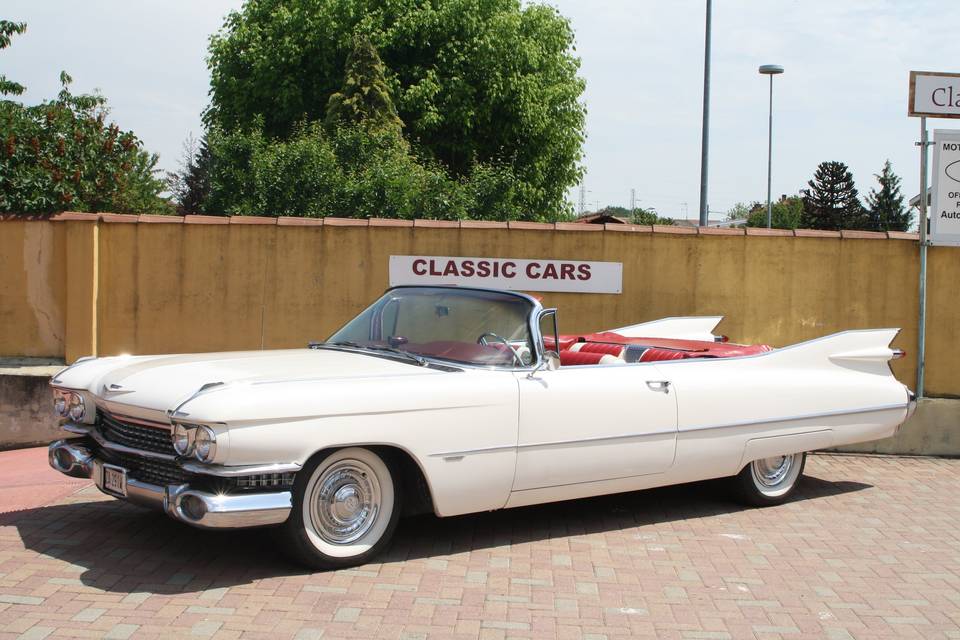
[[345, 510], [769, 481]]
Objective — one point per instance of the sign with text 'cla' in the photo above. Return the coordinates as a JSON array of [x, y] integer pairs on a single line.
[[945, 215], [934, 94], [515, 274]]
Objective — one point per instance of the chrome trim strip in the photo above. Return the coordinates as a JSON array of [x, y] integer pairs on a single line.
[[470, 452], [796, 418], [244, 470]]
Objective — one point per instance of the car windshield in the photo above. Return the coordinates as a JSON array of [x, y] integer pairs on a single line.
[[486, 328]]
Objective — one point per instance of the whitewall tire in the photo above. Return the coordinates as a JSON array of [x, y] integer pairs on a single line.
[[769, 481], [345, 509]]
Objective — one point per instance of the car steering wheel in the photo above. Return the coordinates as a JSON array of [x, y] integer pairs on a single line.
[[482, 340]]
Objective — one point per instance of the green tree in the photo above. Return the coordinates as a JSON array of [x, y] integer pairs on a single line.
[[786, 213], [7, 31], [190, 185], [886, 210], [831, 201], [364, 97], [351, 171], [490, 83], [61, 155]]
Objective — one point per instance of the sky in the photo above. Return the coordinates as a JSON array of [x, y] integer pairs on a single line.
[[843, 95]]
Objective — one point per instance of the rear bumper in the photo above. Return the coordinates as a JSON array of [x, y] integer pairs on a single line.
[[181, 502]]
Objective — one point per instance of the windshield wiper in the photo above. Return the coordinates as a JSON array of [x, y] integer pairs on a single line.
[[421, 361]]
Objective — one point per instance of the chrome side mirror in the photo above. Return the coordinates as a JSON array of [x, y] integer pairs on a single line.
[[550, 362]]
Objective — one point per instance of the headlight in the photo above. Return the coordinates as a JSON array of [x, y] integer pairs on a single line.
[[205, 444], [77, 410], [182, 437], [60, 404]]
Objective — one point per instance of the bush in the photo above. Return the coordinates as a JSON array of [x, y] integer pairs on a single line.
[[350, 171]]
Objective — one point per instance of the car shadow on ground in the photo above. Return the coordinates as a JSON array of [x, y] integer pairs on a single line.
[[119, 548]]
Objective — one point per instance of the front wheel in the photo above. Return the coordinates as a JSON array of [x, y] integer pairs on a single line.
[[345, 510], [769, 481]]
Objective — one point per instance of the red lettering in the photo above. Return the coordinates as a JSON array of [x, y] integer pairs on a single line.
[[433, 269], [550, 271], [566, 271], [509, 270], [451, 269], [419, 267], [584, 270], [483, 269], [466, 268], [532, 272]]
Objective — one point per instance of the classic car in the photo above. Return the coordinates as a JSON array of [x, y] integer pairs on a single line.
[[456, 400]]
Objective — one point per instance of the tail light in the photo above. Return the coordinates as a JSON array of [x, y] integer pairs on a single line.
[[897, 354], [721, 339]]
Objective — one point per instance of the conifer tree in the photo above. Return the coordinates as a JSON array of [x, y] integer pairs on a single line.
[[364, 96], [831, 201], [887, 212]]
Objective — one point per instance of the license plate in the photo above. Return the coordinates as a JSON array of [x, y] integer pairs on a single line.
[[115, 480]]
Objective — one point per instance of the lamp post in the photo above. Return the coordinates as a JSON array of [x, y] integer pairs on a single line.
[[770, 70]]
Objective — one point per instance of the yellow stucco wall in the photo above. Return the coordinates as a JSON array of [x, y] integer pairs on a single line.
[[32, 289], [170, 286]]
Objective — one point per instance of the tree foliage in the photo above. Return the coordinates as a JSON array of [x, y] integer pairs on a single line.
[[886, 210], [831, 201], [476, 84], [7, 31], [190, 185], [62, 154], [351, 171], [364, 97], [786, 213]]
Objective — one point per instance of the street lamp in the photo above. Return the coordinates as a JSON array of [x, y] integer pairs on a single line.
[[770, 70]]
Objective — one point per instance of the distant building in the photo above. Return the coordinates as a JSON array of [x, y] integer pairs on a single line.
[[601, 218]]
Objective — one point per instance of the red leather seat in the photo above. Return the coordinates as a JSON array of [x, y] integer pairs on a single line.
[[565, 343], [571, 358], [654, 353], [599, 347]]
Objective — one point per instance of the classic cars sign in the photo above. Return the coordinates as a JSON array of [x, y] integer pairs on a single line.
[[576, 276]]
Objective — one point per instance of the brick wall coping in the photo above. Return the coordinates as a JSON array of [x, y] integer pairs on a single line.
[[459, 224]]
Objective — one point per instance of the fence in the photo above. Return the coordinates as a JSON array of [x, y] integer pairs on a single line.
[[80, 284]]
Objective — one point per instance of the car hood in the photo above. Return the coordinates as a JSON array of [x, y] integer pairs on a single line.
[[162, 383]]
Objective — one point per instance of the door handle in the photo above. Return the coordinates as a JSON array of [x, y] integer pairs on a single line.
[[663, 386]]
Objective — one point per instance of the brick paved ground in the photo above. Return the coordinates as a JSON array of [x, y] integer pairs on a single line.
[[870, 548]]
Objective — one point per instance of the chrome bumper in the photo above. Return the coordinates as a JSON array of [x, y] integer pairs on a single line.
[[180, 502]]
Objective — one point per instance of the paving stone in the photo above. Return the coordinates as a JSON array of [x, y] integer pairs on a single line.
[[867, 548]]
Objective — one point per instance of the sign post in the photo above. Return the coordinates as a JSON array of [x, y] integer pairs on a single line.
[[937, 95]]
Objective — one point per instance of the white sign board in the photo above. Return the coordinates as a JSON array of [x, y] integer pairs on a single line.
[[945, 200], [515, 274], [936, 95]]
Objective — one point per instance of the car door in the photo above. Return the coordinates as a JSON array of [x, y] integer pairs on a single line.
[[582, 424]]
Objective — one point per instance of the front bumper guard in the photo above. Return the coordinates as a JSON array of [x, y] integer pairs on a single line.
[[191, 506]]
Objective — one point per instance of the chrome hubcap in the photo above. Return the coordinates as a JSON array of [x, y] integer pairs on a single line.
[[345, 502], [771, 471]]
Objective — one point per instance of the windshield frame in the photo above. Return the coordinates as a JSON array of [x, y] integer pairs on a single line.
[[531, 320]]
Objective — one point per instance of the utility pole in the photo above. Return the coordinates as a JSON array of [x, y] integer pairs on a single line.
[[705, 136], [633, 200], [583, 198]]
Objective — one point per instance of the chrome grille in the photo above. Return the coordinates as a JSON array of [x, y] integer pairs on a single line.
[[152, 470], [137, 436], [266, 481]]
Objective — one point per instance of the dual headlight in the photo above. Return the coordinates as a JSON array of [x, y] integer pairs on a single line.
[[197, 440], [69, 404]]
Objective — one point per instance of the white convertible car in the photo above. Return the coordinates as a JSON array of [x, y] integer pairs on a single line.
[[458, 400]]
